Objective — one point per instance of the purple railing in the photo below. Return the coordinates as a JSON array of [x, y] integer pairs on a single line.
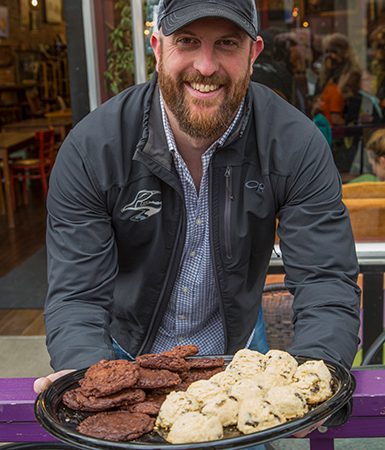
[[18, 423]]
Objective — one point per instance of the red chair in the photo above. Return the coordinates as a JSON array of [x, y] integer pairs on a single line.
[[26, 169]]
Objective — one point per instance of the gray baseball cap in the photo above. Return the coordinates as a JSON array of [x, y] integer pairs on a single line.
[[175, 14]]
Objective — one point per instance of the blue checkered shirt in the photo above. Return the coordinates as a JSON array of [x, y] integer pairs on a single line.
[[192, 315]]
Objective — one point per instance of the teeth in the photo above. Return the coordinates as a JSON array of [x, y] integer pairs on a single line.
[[204, 87]]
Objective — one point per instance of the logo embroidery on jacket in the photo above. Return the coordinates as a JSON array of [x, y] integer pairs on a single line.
[[255, 185], [145, 205]]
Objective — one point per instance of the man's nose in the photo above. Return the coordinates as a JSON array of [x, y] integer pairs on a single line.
[[206, 61]]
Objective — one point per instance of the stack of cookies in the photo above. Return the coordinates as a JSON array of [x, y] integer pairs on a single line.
[[126, 396]]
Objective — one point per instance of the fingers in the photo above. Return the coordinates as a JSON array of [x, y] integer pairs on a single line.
[[42, 383], [306, 431]]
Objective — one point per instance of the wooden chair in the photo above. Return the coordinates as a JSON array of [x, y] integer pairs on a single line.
[[26, 169], [366, 205]]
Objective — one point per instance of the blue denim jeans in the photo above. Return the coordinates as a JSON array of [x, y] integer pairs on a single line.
[[259, 341]]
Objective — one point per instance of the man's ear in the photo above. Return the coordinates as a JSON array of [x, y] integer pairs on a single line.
[[381, 161], [156, 46], [256, 50]]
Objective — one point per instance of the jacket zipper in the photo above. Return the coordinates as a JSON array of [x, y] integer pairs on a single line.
[[227, 216], [215, 266]]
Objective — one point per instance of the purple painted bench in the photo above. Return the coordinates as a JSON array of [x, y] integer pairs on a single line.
[[18, 424], [368, 416]]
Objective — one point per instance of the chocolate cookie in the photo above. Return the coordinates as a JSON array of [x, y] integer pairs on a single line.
[[200, 374], [163, 361], [75, 399], [150, 407], [206, 363], [107, 377], [154, 379], [183, 350], [116, 425]]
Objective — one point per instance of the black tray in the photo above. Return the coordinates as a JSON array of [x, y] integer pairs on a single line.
[[61, 421]]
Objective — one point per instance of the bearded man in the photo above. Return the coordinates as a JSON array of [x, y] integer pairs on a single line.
[[163, 206]]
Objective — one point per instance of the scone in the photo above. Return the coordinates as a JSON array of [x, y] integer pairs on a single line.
[[195, 427], [256, 414], [287, 402], [224, 407], [313, 380], [176, 403], [280, 365]]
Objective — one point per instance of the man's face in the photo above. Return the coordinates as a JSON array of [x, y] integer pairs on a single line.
[[204, 71], [333, 59]]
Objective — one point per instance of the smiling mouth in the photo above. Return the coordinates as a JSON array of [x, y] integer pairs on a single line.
[[204, 88]]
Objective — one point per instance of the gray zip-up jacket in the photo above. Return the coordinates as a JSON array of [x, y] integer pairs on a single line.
[[116, 229]]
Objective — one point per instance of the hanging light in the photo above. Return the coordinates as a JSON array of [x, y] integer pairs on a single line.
[[35, 3]]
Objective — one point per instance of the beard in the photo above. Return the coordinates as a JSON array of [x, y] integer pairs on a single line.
[[200, 122]]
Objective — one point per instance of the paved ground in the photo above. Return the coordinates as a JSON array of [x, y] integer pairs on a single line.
[[339, 444]]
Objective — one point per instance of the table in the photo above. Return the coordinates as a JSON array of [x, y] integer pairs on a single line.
[[371, 259], [61, 113], [61, 125], [11, 141], [18, 423]]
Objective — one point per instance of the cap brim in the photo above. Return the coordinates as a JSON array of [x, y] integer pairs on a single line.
[[178, 19]]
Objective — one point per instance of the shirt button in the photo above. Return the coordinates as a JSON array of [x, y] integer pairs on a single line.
[[198, 221], [180, 338], [193, 253], [182, 317], [185, 290]]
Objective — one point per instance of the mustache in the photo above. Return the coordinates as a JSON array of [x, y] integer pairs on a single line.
[[200, 79]]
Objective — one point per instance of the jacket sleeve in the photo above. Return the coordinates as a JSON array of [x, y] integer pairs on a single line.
[[82, 264], [319, 257]]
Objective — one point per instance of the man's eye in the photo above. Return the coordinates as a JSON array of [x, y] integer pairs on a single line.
[[186, 41], [228, 43]]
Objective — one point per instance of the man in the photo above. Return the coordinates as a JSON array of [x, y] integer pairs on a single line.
[[163, 206]]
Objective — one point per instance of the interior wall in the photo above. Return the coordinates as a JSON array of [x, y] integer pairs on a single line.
[[21, 36], [34, 34]]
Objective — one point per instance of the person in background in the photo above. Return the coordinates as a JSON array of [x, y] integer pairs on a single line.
[[377, 40], [286, 50], [271, 72], [320, 120], [164, 201], [375, 149], [340, 76]]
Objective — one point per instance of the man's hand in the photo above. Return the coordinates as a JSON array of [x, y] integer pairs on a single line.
[[306, 431], [42, 383]]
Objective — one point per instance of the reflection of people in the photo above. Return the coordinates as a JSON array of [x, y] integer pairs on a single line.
[[320, 120], [270, 72], [376, 153], [377, 39], [163, 203], [340, 77], [375, 149], [286, 51]]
